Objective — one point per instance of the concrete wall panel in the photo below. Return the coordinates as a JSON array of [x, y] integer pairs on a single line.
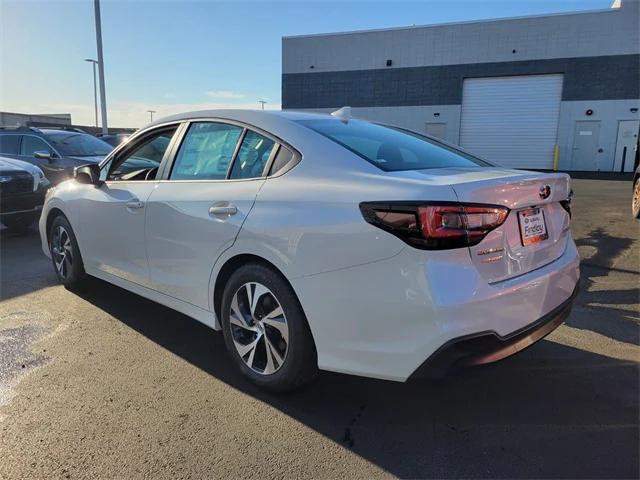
[[583, 34]]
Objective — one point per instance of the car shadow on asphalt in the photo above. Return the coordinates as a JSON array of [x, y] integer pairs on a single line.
[[613, 315], [21, 264], [534, 415]]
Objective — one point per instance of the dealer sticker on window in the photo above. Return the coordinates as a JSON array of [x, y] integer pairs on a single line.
[[532, 226]]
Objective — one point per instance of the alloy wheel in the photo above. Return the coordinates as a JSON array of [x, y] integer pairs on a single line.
[[636, 198], [62, 252], [259, 328]]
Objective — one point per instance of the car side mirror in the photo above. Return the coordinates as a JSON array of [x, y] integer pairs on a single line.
[[43, 155], [88, 174]]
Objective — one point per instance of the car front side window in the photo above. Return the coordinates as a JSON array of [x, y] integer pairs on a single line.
[[143, 160], [206, 151]]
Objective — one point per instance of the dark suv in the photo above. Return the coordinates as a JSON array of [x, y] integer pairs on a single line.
[[56, 151], [22, 190]]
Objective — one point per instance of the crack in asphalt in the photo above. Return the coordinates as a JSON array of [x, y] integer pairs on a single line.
[[348, 438]]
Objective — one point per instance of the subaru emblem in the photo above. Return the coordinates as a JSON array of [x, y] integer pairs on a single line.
[[4, 179], [545, 191]]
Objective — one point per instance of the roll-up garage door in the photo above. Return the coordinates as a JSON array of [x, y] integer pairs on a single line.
[[512, 121]]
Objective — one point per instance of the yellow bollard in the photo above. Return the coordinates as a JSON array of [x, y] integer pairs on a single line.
[[556, 157]]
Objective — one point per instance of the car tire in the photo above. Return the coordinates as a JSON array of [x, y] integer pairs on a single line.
[[19, 223], [266, 331], [635, 200], [65, 254]]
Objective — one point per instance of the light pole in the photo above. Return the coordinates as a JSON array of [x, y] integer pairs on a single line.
[[95, 87], [262, 102], [103, 96], [151, 112]]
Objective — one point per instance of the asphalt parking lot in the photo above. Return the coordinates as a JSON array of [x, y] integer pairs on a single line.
[[105, 384]]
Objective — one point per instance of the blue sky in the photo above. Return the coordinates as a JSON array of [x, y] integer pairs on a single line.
[[172, 56]]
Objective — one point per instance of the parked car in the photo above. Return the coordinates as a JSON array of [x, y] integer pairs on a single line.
[[22, 190], [323, 242], [114, 139], [635, 198], [55, 151]]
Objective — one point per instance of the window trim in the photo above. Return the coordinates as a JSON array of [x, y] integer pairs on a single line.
[[183, 125]]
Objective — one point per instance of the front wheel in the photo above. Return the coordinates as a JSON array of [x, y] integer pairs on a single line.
[[266, 331], [635, 201], [65, 253]]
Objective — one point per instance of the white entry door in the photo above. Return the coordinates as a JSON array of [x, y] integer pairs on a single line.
[[626, 146], [586, 138]]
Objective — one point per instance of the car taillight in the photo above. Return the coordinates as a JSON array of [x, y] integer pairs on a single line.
[[566, 204], [435, 226]]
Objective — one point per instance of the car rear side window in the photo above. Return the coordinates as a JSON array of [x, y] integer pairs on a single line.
[[253, 156], [391, 149], [284, 161], [31, 144], [206, 151], [9, 144]]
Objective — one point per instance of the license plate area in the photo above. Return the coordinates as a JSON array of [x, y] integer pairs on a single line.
[[533, 228]]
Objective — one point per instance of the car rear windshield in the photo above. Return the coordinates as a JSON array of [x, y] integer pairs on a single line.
[[78, 144], [390, 148]]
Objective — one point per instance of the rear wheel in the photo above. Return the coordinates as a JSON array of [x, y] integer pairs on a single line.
[[65, 253], [20, 222], [635, 201], [266, 331]]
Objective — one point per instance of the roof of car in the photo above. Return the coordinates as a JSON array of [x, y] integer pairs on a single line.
[[249, 116], [18, 130], [55, 131], [39, 131]]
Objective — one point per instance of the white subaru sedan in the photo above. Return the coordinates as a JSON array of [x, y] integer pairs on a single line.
[[322, 242]]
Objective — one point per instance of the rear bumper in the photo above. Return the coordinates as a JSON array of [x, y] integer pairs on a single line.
[[490, 347], [385, 319]]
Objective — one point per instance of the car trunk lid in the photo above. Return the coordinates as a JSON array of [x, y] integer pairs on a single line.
[[534, 199], [537, 227]]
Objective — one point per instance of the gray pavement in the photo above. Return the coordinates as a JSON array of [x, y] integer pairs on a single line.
[[105, 384]]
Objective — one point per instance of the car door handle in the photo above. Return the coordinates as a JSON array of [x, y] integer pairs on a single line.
[[222, 209], [135, 204]]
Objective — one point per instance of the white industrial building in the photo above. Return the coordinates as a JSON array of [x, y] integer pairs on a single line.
[[556, 91]]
